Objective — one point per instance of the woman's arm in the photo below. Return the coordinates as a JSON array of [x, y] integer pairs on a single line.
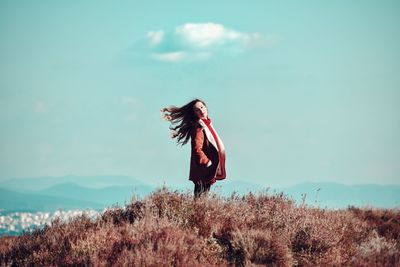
[[197, 143]]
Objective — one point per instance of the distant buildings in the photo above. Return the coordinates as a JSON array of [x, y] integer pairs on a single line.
[[15, 223]]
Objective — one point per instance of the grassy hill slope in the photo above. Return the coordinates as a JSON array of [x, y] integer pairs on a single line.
[[170, 229]]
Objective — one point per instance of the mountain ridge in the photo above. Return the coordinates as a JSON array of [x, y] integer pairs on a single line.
[[115, 191], [29, 184], [107, 195]]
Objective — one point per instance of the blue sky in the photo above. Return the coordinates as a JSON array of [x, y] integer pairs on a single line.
[[297, 91]]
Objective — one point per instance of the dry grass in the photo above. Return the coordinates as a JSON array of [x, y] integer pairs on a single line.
[[170, 229]]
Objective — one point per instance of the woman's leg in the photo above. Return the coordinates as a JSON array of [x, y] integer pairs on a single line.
[[206, 188], [200, 189], [197, 190]]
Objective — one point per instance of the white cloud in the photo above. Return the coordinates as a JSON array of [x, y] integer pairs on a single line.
[[170, 57], [181, 56], [198, 42], [203, 35], [155, 37]]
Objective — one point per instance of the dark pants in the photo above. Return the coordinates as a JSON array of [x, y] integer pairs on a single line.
[[200, 189]]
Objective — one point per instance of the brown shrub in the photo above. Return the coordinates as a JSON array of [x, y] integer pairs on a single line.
[[171, 229], [260, 248], [385, 221], [118, 216], [376, 251]]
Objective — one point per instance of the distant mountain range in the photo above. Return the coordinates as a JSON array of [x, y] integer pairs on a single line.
[[97, 192], [107, 196], [69, 192], [30, 184]]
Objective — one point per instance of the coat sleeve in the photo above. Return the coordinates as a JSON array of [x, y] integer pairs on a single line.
[[197, 144]]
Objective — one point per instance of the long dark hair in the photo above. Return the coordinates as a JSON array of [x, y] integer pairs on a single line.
[[182, 120]]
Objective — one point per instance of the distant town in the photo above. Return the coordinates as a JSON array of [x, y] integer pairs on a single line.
[[15, 223]]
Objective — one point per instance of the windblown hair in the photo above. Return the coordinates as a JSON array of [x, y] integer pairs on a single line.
[[182, 120]]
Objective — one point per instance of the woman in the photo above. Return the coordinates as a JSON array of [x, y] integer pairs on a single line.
[[207, 162]]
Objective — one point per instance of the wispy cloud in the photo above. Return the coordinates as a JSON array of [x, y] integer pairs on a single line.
[[155, 37], [193, 42], [212, 35], [170, 56]]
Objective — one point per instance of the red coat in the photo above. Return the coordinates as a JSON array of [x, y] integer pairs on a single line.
[[204, 148]]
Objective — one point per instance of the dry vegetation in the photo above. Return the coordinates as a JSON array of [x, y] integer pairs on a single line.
[[170, 229]]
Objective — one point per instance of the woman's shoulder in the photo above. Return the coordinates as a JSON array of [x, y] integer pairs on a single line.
[[196, 127], [196, 124]]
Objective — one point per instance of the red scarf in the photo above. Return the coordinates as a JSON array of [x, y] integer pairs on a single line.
[[208, 123]]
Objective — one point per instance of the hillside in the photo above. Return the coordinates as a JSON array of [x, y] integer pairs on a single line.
[[170, 229]]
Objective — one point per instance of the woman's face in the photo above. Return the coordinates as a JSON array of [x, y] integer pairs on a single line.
[[200, 110]]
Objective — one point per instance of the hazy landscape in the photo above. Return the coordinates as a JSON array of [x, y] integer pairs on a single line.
[[98, 192], [29, 203]]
